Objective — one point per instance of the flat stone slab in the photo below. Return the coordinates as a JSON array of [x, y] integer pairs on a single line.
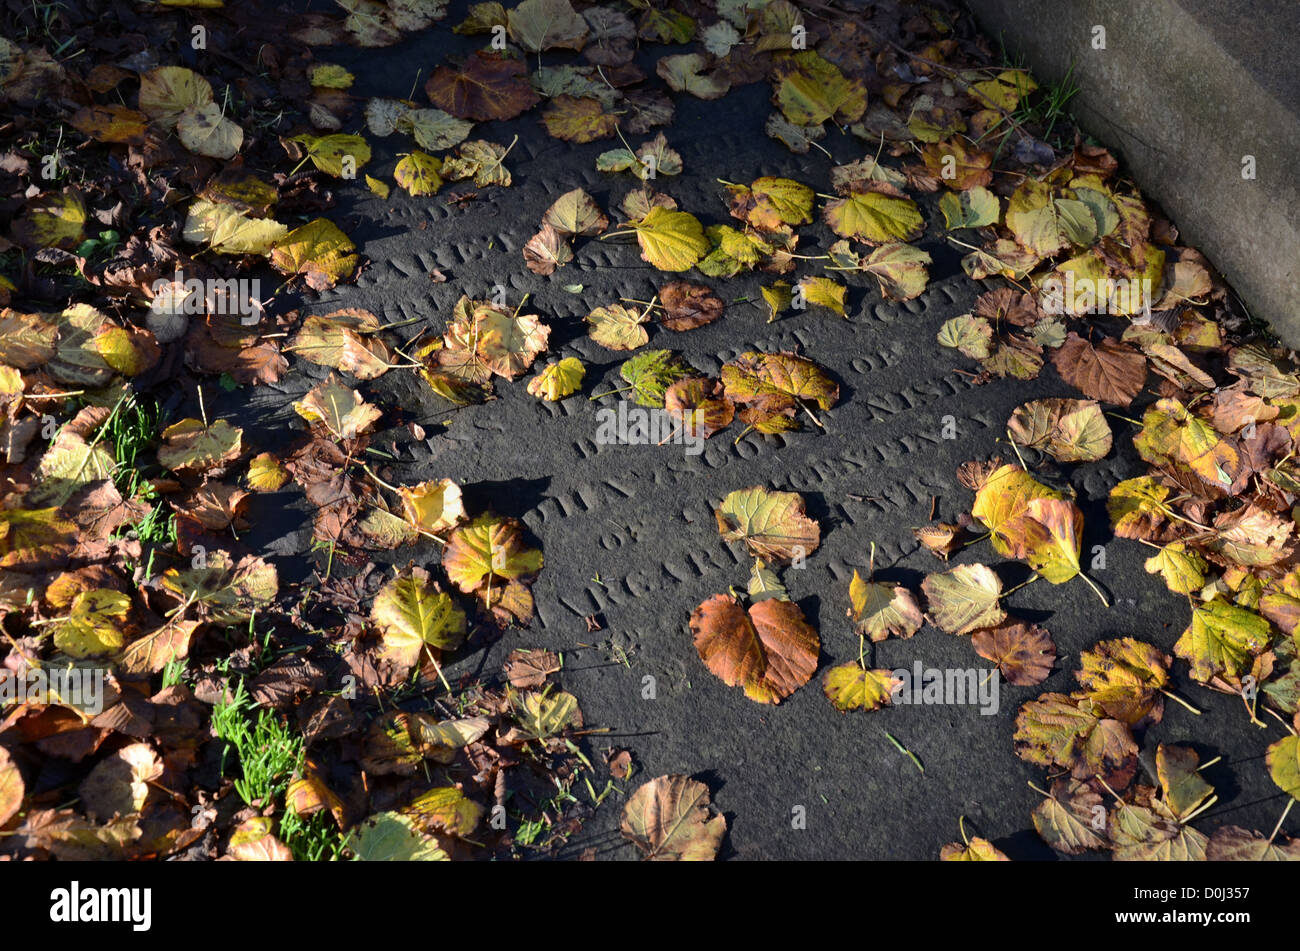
[[629, 535]]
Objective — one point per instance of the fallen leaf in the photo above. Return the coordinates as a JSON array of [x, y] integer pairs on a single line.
[[558, 380], [342, 411], [1024, 653], [486, 87], [1110, 371], [768, 650], [964, 599], [880, 610], [853, 687], [412, 616], [671, 819], [772, 525]]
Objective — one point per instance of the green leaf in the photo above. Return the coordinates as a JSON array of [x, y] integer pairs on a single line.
[[815, 90], [651, 373], [390, 837], [1183, 570], [764, 583], [970, 209], [327, 152], [973, 336], [772, 525], [1222, 639], [1283, 759]]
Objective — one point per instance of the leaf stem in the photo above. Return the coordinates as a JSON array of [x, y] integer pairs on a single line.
[[1177, 699], [1093, 585], [1032, 579], [1282, 818], [910, 755], [621, 389]]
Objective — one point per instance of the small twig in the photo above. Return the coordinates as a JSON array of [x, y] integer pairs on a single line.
[[903, 749]]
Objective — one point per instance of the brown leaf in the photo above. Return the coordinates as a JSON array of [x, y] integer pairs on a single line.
[[688, 305], [1005, 304], [670, 819], [1111, 372], [547, 250], [770, 650], [487, 87], [530, 668], [1023, 652], [700, 405]]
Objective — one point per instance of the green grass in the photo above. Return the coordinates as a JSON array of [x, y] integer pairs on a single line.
[[312, 838], [1047, 105], [130, 431], [269, 753], [44, 26]]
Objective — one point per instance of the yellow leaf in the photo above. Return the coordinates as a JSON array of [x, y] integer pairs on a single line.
[[558, 380], [265, 473], [671, 240], [339, 154], [190, 445], [411, 616], [342, 411], [319, 251], [93, 627], [874, 217], [56, 220], [228, 231], [203, 129], [433, 507], [330, 76], [418, 174], [166, 92], [850, 687]]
